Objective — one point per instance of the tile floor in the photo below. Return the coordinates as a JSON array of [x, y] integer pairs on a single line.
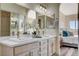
[[68, 51]]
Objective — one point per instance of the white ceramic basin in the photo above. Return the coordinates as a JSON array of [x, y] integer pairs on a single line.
[[20, 39]]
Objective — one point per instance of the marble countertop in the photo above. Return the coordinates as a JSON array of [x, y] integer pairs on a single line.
[[14, 41]]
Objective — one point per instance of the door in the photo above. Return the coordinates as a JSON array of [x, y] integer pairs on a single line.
[[5, 23]]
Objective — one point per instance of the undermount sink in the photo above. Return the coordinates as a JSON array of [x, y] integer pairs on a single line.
[[21, 39]]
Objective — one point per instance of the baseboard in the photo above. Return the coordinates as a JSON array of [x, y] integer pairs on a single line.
[[70, 46]]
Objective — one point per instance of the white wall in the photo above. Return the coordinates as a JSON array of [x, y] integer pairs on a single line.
[[69, 8], [0, 6], [0, 20], [12, 7]]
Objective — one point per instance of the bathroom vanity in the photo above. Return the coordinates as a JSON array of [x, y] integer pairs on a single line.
[[27, 46]]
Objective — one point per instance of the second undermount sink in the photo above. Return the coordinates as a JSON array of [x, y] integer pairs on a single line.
[[36, 36]]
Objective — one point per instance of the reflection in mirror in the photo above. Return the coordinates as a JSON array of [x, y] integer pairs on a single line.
[[30, 22], [41, 21], [16, 24], [49, 22]]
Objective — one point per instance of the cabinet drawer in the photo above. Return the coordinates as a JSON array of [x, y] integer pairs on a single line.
[[50, 53], [43, 51], [22, 49], [44, 54], [50, 41], [24, 54], [35, 52], [35, 45], [44, 42], [43, 48]]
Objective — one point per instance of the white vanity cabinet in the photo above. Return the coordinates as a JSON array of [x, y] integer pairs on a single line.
[[40, 47], [30, 49]]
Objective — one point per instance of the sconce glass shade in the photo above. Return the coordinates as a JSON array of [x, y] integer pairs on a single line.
[[31, 14]]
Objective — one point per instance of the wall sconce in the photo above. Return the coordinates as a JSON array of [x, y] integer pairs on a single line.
[[43, 8], [31, 16]]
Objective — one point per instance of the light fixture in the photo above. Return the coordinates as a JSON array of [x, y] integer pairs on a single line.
[[31, 14], [43, 8]]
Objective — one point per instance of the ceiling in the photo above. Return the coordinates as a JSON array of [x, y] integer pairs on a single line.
[[51, 7], [65, 8]]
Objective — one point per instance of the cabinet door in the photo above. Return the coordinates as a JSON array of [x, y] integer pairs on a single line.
[[35, 49], [43, 48], [0, 50], [51, 46], [35, 52], [54, 45]]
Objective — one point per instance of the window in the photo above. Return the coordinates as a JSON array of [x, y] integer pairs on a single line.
[[73, 24]]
